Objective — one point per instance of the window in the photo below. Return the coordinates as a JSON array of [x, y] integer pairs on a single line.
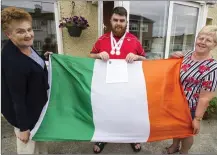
[[36, 24], [43, 24], [148, 21], [134, 27], [144, 27], [37, 46], [183, 32], [165, 26]]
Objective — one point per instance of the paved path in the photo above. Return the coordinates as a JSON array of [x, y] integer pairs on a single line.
[[205, 142]]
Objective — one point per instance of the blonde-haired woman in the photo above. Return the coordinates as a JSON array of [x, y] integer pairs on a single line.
[[24, 79], [199, 80]]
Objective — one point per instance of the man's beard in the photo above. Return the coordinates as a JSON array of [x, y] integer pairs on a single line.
[[119, 33]]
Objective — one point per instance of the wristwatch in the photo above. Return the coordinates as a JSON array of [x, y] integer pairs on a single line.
[[198, 118]]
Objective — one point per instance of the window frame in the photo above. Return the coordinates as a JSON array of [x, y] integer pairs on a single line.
[[38, 46], [59, 34], [36, 25], [200, 20]]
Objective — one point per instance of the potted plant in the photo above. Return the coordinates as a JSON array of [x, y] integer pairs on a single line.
[[75, 25], [38, 9], [212, 109]]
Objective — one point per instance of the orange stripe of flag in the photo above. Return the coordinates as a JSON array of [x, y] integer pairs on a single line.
[[168, 108]]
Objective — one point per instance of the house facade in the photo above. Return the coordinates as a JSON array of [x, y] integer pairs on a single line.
[[161, 26], [212, 20]]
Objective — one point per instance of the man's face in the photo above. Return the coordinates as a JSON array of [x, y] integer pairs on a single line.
[[21, 33], [119, 25]]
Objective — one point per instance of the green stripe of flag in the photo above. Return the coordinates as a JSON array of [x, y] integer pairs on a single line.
[[70, 101]]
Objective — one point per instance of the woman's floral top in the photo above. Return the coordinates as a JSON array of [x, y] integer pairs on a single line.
[[197, 75]]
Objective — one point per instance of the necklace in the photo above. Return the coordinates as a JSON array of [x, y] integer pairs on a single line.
[[116, 46]]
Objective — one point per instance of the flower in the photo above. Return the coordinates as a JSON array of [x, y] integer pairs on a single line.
[[76, 21], [196, 95], [190, 80], [194, 107], [211, 60], [188, 89], [207, 84], [203, 68], [189, 57], [185, 67], [197, 82]]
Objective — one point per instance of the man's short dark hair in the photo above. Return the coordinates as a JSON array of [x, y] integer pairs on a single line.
[[120, 11]]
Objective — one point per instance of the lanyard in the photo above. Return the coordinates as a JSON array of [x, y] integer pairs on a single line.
[[116, 46]]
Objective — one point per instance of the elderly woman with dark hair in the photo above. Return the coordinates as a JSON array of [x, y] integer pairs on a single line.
[[24, 79], [199, 80]]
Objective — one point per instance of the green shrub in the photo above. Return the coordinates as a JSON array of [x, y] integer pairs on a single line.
[[212, 108]]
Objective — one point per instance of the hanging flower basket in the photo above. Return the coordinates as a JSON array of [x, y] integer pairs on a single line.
[[75, 25], [74, 31]]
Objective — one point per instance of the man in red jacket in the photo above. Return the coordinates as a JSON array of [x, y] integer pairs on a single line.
[[118, 44]]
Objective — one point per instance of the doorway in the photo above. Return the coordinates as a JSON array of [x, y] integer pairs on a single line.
[[107, 11]]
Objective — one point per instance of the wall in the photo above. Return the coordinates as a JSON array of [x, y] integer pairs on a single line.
[[82, 45], [212, 13]]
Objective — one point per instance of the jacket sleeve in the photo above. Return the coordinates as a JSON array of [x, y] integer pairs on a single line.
[[16, 78]]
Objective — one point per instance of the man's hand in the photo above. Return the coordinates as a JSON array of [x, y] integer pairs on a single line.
[[24, 136], [46, 54], [104, 56], [177, 55], [132, 57], [196, 126]]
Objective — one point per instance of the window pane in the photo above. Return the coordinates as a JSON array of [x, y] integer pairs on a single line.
[[183, 29], [43, 24], [148, 21]]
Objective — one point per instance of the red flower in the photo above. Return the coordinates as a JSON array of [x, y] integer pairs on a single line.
[[188, 89], [190, 80], [207, 84], [211, 60], [185, 67], [196, 95], [196, 82], [203, 68], [194, 107]]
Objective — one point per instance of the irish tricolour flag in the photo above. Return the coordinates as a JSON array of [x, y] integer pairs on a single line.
[[82, 106]]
